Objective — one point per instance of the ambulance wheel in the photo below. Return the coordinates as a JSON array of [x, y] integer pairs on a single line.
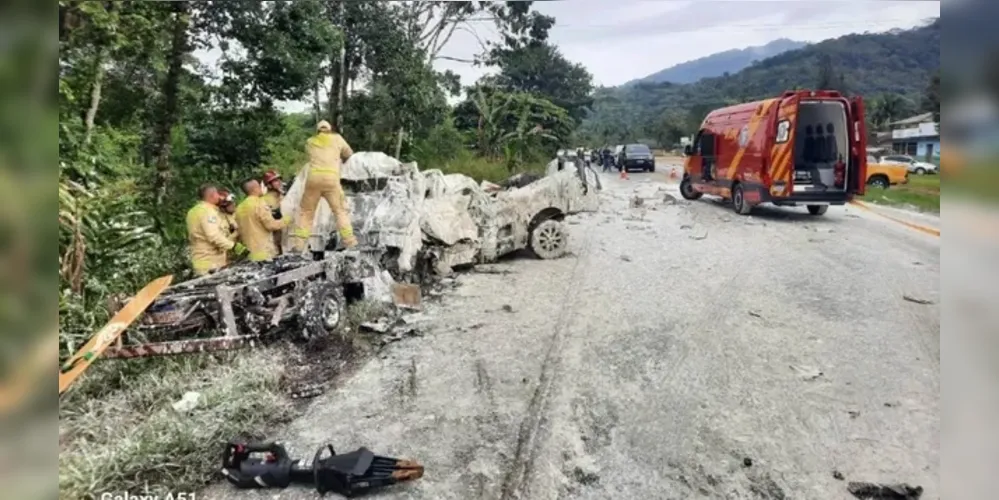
[[549, 239], [739, 201], [687, 189], [818, 209]]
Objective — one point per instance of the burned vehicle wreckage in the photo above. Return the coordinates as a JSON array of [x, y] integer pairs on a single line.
[[411, 226]]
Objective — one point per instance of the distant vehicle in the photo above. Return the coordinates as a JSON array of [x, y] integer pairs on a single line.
[[885, 174], [916, 167], [801, 149], [637, 157]]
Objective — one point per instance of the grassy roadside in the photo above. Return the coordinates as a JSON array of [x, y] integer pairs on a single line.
[[118, 431], [921, 193]]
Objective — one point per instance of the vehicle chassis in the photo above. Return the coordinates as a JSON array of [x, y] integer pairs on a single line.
[[249, 302]]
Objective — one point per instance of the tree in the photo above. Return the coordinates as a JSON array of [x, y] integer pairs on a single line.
[[542, 70], [931, 98], [887, 108]]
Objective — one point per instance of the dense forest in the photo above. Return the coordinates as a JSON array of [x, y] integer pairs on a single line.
[[893, 70], [144, 120], [729, 61]]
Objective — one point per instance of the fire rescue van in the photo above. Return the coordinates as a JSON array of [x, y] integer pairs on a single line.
[[802, 148]]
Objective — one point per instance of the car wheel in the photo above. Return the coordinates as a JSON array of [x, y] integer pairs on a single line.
[[687, 189], [320, 309], [549, 239], [920, 171], [878, 181], [739, 201], [818, 209], [652, 168]]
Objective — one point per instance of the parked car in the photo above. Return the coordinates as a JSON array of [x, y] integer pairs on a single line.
[[636, 157], [914, 166], [882, 174]]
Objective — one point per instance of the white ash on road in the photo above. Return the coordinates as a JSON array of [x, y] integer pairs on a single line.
[[681, 351]]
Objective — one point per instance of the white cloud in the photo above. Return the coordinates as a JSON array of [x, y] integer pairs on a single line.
[[621, 40]]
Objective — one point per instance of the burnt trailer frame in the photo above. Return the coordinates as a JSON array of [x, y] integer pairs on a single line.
[[249, 302]]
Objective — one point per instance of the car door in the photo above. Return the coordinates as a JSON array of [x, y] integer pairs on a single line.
[[857, 177]]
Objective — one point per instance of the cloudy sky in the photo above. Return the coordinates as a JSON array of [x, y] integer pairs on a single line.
[[620, 40]]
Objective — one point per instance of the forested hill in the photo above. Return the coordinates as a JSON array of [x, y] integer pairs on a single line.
[[898, 62], [730, 61]]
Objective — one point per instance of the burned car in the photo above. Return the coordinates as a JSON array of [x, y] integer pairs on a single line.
[[449, 218]]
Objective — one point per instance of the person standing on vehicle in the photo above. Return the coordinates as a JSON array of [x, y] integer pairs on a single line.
[[208, 244], [257, 223], [275, 193], [327, 150]]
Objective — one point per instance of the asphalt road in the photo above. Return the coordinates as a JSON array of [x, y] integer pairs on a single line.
[[681, 351]]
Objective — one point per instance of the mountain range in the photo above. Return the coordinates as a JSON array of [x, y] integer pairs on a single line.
[[730, 61]]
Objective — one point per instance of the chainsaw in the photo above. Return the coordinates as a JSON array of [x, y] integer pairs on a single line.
[[267, 465]]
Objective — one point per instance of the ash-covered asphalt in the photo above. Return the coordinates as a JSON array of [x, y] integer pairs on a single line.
[[682, 351]]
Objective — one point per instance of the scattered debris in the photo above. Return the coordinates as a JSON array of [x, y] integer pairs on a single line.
[[853, 413], [917, 263], [872, 491], [852, 216], [380, 326], [699, 235], [747, 462], [916, 300], [669, 199], [686, 226], [507, 308], [890, 405], [837, 475], [187, 402], [725, 218], [268, 465], [636, 201], [626, 258], [807, 372], [755, 314], [823, 229], [406, 295]]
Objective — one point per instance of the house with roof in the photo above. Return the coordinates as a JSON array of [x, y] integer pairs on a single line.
[[917, 136]]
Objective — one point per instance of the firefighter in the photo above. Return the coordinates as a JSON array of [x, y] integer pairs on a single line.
[[257, 223], [275, 193], [275, 190], [326, 150], [207, 242], [227, 207]]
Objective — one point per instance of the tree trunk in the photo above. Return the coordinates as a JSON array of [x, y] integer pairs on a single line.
[[342, 90], [171, 88], [317, 105], [398, 142], [95, 95]]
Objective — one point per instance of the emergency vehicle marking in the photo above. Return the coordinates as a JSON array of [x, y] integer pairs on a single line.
[[781, 166], [754, 124]]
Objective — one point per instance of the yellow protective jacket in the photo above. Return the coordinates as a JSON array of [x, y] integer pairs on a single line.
[[208, 243], [273, 199], [256, 225], [326, 151]]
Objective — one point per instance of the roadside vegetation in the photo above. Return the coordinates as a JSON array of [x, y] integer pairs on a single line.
[[921, 193], [145, 118]]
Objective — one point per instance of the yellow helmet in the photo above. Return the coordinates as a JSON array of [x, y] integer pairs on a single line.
[[324, 126]]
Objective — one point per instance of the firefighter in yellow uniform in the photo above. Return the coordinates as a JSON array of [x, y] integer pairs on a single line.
[[257, 223], [326, 151], [273, 196], [227, 206], [207, 242]]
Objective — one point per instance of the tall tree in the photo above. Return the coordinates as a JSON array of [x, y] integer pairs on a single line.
[[179, 49], [931, 98]]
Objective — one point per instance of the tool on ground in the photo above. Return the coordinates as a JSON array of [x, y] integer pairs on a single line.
[[267, 465], [74, 366]]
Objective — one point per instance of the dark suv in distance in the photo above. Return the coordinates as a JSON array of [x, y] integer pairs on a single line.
[[636, 157]]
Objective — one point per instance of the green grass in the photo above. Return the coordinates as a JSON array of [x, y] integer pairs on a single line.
[[922, 193], [978, 181], [129, 438]]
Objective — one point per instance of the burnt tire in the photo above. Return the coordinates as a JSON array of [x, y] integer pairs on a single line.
[[739, 203], [878, 181], [687, 190], [818, 209], [320, 309], [549, 239]]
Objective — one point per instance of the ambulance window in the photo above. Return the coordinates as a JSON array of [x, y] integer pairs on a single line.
[[707, 144]]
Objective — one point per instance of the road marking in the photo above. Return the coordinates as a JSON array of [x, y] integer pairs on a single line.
[[918, 227]]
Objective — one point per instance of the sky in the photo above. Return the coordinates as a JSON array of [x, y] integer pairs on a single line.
[[620, 40]]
